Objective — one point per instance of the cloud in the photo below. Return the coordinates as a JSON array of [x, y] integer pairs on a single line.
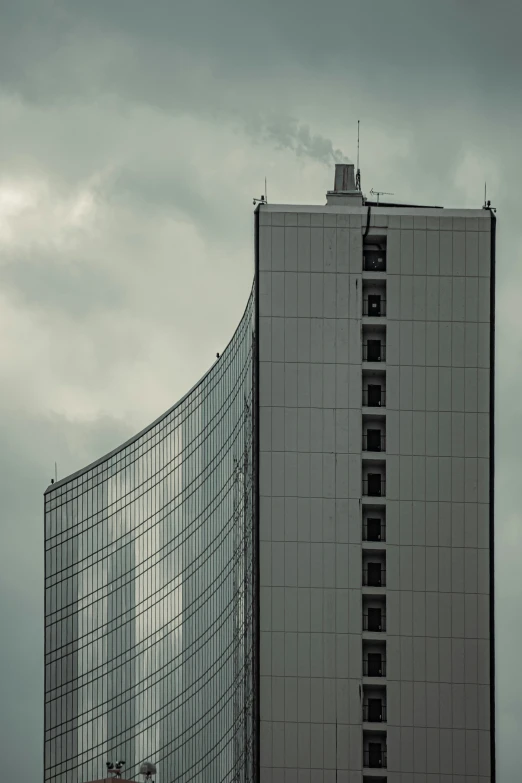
[[134, 137]]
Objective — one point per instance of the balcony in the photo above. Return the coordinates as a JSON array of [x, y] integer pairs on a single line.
[[374, 306], [374, 440], [374, 621], [375, 758], [374, 711], [374, 486], [374, 397], [374, 351], [374, 530], [374, 258], [374, 665], [374, 576]]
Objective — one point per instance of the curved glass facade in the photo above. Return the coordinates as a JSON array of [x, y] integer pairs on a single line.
[[150, 593]]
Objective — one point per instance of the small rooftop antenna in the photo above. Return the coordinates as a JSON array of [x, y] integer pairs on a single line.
[[266, 193], [380, 193], [55, 472], [262, 199], [487, 204], [358, 175]]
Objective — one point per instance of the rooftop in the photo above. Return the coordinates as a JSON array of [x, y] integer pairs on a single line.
[[382, 209], [347, 198]]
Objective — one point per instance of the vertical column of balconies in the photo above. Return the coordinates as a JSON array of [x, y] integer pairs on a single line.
[[374, 735]]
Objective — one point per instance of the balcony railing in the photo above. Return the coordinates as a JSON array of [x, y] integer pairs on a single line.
[[374, 442], [374, 398], [374, 260], [374, 309], [374, 353], [375, 531], [374, 713], [373, 488], [374, 668], [375, 759], [374, 578], [374, 623]]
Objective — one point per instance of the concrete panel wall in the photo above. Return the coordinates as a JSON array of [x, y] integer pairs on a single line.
[[444, 490], [437, 513]]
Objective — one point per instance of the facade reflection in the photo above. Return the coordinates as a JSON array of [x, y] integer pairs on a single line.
[[149, 599]]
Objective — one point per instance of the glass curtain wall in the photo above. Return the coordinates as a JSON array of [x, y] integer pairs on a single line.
[[150, 594]]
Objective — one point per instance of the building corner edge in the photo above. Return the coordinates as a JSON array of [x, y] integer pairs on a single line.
[[255, 387], [492, 681]]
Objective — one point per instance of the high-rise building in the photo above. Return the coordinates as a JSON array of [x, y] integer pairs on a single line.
[[376, 491], [289, 575]]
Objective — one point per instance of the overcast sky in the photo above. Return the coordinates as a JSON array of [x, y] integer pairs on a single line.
[[133, 137]]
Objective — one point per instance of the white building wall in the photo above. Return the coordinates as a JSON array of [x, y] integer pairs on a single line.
[[437, 492]]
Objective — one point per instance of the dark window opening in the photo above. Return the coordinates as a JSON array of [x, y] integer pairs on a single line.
[[374, 440], [374, 575], [373, 530], [374, 351], [374, 306], [374, 620], [374, 485], [374, 711], [374, 396], [375, 756], [374, 257], [374, 665]]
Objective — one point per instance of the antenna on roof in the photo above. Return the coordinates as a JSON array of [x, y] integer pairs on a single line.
[[358, 175], [487, 204], [262, 198], [380, 193], [55, 472], [266, 192]]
